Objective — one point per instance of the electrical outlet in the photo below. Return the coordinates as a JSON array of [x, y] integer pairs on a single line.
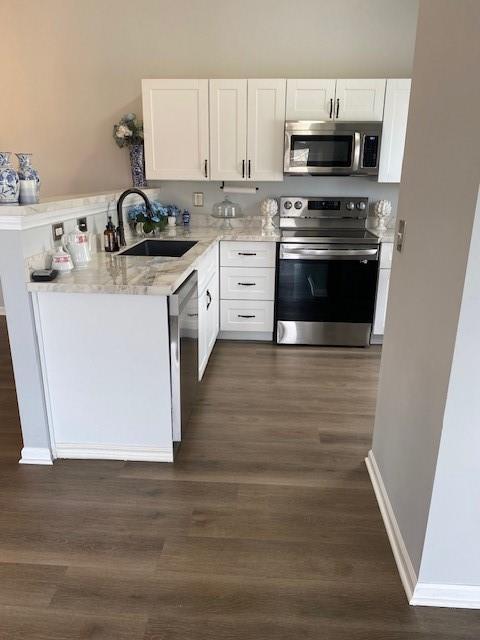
[[57, 231], [198, 199], [82, 224]]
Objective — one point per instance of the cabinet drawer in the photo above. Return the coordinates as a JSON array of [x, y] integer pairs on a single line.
[[247, 254], [386, 255], [246, 315], [247, 283]]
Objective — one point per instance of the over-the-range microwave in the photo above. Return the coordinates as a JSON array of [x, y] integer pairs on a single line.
[[332, 148]]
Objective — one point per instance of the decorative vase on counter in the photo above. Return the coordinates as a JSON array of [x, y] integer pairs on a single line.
[[9, 180], [382, 210], [29, 180], [137, 165]]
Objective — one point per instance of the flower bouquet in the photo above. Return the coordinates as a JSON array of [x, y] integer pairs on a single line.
[[129, 133], [138, 215]]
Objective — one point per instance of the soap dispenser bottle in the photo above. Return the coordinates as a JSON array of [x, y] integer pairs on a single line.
[[110, 237]]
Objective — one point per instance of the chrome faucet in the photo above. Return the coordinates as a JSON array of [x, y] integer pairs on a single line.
[[148, 207]]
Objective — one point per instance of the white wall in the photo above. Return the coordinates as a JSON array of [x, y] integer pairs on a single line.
[[437, 199], [451, 545], [74, 66]]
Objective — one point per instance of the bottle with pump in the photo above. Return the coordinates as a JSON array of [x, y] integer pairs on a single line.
[[110, 237]]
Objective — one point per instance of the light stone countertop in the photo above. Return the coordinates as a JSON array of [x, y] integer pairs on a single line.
[[140, 275]]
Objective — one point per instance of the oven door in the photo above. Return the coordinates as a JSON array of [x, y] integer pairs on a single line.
[[321, 149], [326, 294]]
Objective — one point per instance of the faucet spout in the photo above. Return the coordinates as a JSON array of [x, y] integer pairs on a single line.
[[148, 207]]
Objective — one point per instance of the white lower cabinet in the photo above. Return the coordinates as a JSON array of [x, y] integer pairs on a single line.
[[208, 308], [386, 251], [247, 289], [247, 315]]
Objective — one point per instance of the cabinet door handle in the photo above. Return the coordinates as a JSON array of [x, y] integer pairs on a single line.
[[192, 315], [242, 316], [338, 107], [245, 253], [331, 107], [243, 168], [205, 168], [246, 284], [249, 169], [209, 296]]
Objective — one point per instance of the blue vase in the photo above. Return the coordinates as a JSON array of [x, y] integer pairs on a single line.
[[29, 180], [9, 180], [137, 165]]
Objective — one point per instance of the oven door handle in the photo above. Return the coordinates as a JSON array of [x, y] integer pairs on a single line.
[[328, 254]]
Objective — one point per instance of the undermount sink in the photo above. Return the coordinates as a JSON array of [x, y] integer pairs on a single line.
[[164, 248]]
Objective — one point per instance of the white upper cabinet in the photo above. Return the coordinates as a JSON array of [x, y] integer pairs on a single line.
[[310, 99], [228, 129], [175, 115], [397, 98], [358, 100], [265, 125]]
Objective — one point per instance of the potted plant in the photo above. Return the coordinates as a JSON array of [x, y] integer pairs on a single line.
[[129, 133], [139, 217]]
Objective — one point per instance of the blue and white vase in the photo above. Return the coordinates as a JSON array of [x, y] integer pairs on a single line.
[[137, 165], [9, 180], [29, 180]]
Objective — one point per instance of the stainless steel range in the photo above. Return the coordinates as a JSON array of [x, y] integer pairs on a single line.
[[327, 272]]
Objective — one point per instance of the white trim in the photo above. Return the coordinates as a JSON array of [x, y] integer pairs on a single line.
[[459, 596], [400, 553], [2, 311], [114, 452], [36, 455]]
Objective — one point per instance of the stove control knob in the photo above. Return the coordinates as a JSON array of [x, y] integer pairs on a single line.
[[361, 206], [287, 204], [350, 206], [298, 204]]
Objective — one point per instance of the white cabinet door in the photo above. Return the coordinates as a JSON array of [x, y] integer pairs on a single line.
[[381, 302], [358, 100], [266, 123], [397, 98], [213, 312], [310, 99], [228, 129], [175, 116]]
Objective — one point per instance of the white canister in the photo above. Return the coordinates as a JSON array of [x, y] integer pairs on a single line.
[[78, 245], [172, 221], [61, 260]]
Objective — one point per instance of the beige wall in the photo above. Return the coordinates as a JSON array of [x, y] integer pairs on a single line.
[[76, 65], [437, 199]]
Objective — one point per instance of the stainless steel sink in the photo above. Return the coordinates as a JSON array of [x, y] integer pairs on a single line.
[[164, 248]]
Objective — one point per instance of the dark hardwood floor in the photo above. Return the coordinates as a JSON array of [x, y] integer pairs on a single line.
[[266, 527]]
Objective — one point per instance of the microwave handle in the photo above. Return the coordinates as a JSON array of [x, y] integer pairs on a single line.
[[357, 143]]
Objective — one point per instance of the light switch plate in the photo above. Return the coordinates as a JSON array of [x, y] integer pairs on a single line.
[[198, 199], [400, 235], [57, 231]]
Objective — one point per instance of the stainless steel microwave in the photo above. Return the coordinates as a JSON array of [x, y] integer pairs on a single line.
[[332, 148]]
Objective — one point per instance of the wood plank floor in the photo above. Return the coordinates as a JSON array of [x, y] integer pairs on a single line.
[[266, 527]]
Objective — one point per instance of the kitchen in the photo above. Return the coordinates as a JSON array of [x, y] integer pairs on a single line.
[[115, 360]]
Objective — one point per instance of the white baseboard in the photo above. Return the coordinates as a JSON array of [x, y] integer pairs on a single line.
[[113, 452], [36, 455], [457, 596], [2, 311], [400, 553]]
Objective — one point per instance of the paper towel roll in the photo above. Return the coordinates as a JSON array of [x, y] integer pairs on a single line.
[[239, 190]]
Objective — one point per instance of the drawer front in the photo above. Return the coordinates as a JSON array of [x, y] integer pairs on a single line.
[[207, 266], [246, 315], [386, 255], [247, 283], [247, 254]]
